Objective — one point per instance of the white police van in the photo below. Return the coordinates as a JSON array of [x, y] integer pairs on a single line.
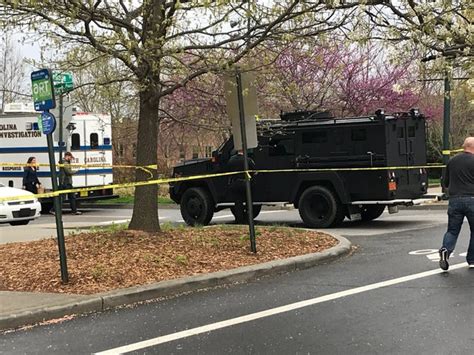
[[87, 135]]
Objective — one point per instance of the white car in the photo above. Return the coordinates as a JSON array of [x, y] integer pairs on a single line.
[[18, 212]]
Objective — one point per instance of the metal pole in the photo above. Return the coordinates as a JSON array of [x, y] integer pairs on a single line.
[[58, 212], [61, 142], [446, 121], [253, 246]]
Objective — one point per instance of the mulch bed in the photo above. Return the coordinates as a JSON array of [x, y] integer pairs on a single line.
[[105, 260]]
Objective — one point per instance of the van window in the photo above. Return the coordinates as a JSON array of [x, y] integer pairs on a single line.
[[411, 131], [359, 134], [75, 141], [94, 138]]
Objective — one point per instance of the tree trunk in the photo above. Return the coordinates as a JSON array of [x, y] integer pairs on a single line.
[[145, 207]]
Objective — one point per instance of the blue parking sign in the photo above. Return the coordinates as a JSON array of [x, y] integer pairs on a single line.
[[48, 122]]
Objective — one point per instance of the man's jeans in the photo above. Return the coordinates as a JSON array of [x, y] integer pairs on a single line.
[[460, 207], [71, 197]]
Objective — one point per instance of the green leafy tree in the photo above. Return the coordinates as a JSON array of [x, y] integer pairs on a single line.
[[158, 40]]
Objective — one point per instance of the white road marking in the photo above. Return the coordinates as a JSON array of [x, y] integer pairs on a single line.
[[432, 254], [271, 312]]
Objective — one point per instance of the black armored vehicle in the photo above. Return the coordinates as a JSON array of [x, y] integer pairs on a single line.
[[313, 161]]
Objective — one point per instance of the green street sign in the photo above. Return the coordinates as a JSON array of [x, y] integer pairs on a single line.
[[42, 89], [63, 82]]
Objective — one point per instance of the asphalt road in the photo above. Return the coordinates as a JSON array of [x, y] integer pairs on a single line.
[[45, 227], [387, 297]]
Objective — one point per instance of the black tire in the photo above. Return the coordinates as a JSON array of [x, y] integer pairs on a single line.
[[196, 206], [20, 223], [371, 212], [320, 208], [243, 217]]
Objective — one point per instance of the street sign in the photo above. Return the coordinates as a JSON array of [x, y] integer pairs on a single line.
[[47, 123], [249, 96], [42, 89], [63, 82]]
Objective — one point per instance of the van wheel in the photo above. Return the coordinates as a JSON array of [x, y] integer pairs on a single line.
[[371, 212], [196, 206], [320, 208], [242, 216]]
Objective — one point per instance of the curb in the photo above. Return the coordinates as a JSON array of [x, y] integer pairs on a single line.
[[115, 298]]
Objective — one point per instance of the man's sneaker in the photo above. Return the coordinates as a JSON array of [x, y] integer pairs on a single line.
[[471, 266], [443, 259], [76, 213], [52, 212]]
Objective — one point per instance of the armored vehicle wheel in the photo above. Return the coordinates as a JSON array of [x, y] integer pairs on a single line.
[[319, 208], [196, 206], [371, 212], [243, 217]]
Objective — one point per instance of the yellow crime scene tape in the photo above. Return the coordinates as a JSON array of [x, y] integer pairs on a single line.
[[247, 174], [146, 168], [92, 165], [450, 152], [114, 186]]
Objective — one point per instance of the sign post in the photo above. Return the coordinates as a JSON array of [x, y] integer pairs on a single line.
[[44, 100], [242, 111], [63, 83]]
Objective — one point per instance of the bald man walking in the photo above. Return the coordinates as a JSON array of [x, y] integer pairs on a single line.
[[459, 180]]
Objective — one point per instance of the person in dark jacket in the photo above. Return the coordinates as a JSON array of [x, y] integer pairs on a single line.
[[459, 180], [237, 183], [65, 180], [30, 176]]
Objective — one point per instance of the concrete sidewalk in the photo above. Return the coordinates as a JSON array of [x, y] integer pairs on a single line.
[[22, 308]]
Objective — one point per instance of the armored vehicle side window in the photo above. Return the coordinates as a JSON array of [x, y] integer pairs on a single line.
[[359, 134], [315, 137], [75, 141], [94, 138], [281, 147], [401, 132], [338, 136]]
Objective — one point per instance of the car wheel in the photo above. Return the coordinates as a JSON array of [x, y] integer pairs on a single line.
[[241, 216], [20, 223], [320, 208], [371, 212], [196, 206]]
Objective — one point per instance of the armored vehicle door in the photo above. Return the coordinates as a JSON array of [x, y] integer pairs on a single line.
[[274, 153], [409, 133]]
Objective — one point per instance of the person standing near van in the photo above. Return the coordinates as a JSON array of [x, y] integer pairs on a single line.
[[65, 180], [459, 179], [237, 182], [30, 176]]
